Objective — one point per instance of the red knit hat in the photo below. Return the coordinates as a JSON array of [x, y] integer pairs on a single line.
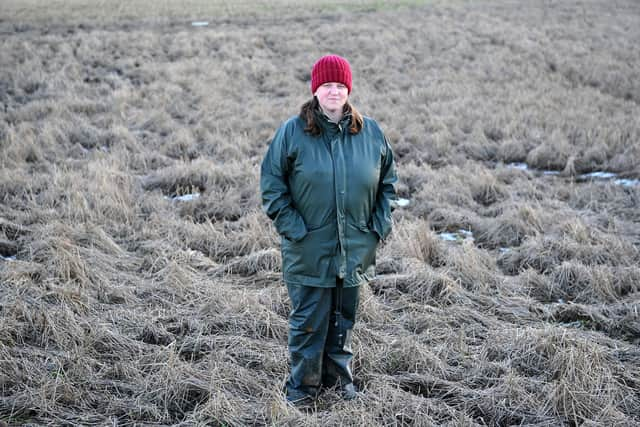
[[331, 68]]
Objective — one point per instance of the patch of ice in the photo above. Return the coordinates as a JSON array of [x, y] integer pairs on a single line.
[[449, 237], [627, 182], [551, 172], [402, 203], [8, 258], [183, 198], [200, 23], [466, 233], [610, 175], [521, 166], [504, 250], [598, 175], [576, 324], [457, 236]]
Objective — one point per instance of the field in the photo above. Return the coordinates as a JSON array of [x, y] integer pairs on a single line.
[[140, 281]]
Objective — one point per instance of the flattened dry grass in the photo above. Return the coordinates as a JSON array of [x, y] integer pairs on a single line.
[[570, 363], [124, 304]]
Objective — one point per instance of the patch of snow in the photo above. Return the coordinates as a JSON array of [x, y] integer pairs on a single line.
[[457, 236], [551, 172], [627, 182], [466, 233], [599, 175], [402, 203], [521, 166], [576, 324], [604, 175], [184, 197], [504, 250], [449, 237], [200, 23], [8, 258]]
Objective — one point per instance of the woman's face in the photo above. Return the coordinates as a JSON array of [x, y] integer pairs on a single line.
[[332, 96]]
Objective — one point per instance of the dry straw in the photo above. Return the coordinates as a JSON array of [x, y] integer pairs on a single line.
[[140, 280]]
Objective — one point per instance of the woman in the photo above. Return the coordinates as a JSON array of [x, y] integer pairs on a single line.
[[327, 182]]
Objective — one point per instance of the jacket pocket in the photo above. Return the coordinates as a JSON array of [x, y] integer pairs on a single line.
[[313, 255], [309, 229], [363, 227], [362, 244], [366, 229], [312, 228]]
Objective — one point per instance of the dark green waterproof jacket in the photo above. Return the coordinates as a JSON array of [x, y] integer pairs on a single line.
[[329, 197]]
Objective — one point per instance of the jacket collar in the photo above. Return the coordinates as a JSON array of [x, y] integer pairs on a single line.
[[330, 127]]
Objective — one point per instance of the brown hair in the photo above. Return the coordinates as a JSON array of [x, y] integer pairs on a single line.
[[307, 113]]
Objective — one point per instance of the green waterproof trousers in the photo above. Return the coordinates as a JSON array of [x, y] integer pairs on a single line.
[[320, 329]]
